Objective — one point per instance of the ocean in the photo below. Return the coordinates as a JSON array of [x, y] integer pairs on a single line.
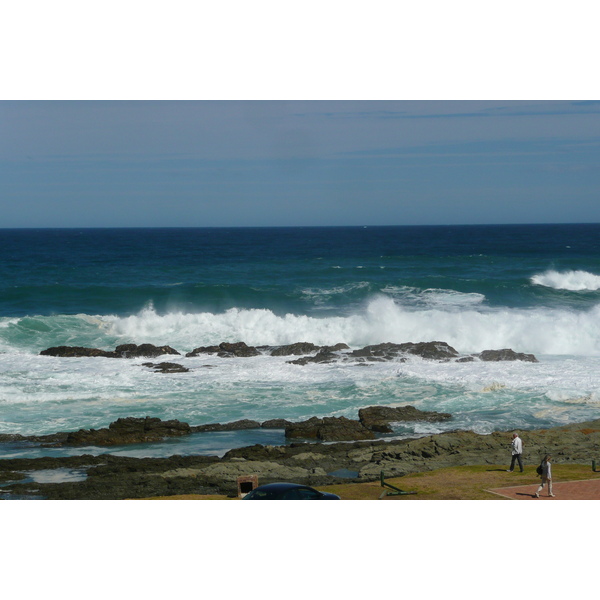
[[532, 288]]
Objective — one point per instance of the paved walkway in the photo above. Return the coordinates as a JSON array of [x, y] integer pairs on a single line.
[[588, 489]]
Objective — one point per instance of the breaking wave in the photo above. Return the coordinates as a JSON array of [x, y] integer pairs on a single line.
[[540, 331], [573, 281], [468, 328]]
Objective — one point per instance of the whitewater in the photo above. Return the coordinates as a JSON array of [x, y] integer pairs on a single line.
[[532, 289]]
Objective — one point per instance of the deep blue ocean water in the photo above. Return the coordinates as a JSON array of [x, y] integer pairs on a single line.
[[532, 288]]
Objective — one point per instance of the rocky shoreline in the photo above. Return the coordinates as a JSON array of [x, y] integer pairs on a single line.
[[321, 450], [308, 352], [141, 430], [317, 463]]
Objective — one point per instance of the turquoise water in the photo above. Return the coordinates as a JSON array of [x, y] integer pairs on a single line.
[[534, 289]]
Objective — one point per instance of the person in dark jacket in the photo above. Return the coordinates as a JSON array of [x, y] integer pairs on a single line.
[[546, 476]]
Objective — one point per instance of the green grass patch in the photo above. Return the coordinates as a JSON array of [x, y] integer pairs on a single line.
[[450, 483], [459, 483]]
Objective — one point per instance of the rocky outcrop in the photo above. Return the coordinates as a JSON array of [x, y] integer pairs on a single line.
[[390, 351], [302, 348], [226, 350], [233, 426], [309, 352], [329, 429], [130, 430], [274, 471], [77, 351], [116, 477], [122, 351], [506, 354], [378, 418], [143, 351], [52, 439], [322, 356], [166, 367], [296, 349], [275, 424]]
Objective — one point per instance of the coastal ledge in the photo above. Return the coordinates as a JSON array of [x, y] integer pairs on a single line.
[[138, 430], [308, 352], [117, 477]]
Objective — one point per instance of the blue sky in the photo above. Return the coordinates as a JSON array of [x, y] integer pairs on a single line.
[[280, 163]]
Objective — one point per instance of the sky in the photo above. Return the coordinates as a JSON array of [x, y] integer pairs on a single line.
[[212, 163]]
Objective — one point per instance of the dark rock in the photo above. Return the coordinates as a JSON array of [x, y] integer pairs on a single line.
[[166, 367], [52, 439], [239, 349], [329, 429], [275, 424], [143, 351], [390, 351], [130, 430], [296, 349], [6, 476], [377, 418], [233, 426], [323, 356], [336, 347], [50, 462], [465, 359], [506, 354], [115, 477], [430, 350], [226, 350], [301, 348], [203, 350], [123, 351], [76, 351]]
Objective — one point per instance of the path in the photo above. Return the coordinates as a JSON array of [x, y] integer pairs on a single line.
[[588, 489]]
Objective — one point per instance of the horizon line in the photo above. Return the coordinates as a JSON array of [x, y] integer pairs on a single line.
[[88, 227]]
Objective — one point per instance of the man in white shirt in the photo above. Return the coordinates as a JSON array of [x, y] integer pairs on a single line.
[[517, 450]]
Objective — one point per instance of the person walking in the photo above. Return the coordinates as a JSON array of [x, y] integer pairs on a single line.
[[546, 476], [517, 451]]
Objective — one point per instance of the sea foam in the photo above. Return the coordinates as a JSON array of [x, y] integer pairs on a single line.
[[468, 329], [467, 325], [574, 281]]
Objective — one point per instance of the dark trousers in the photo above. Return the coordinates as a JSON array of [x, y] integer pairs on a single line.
[[512, 462]]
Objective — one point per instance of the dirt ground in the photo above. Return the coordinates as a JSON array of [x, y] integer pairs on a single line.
[[563, 490]]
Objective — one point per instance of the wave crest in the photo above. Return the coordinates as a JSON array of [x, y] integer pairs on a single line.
[[469, 329], [538, 331], [573, 281]]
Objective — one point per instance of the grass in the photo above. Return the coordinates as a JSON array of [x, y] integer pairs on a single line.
[[451, 483], [460, 483]]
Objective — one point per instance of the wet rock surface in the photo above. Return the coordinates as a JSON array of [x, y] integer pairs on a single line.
[[135, 430], [129, 430], [275, 424], [226, 350], [506, 354], [295, 349], [322, 356], [112, 477], [378, 418], [233, 426], [309, 352], [166, 367], [122, 351], [329, 429], [389, 351]]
